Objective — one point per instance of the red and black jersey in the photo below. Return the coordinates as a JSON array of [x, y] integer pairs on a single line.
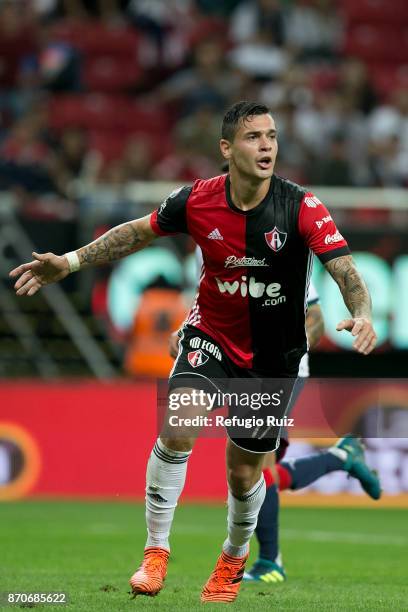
[[257, 265]]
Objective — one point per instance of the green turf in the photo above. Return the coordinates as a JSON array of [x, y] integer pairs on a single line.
[[336, 559]]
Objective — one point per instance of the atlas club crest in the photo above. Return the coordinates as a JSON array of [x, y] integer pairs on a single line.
[[275, 239], [197, 358]]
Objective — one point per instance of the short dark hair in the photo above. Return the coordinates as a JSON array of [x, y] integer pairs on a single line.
[[239, 112]]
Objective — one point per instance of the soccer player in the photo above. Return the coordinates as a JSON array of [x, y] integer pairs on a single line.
[[347, 455], [258, 233]]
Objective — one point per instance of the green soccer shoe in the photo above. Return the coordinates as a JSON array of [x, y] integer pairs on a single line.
[[266, 571], [356, 466]]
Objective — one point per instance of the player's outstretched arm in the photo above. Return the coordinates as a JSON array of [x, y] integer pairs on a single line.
[[48, 268], [357, 299]]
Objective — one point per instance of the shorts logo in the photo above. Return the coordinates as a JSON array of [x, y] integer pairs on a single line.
[[208, 346], [275, 239], [197, 358], [312, 201]]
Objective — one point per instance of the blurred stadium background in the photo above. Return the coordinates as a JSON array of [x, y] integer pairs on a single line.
[[105, 107]]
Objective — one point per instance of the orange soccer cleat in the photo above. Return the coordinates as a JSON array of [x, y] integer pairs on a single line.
[[149, 578], [223, 584]]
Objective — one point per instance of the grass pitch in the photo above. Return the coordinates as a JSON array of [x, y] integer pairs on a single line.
[[336, 559]]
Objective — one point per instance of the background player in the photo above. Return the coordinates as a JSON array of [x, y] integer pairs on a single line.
[[252, 312]]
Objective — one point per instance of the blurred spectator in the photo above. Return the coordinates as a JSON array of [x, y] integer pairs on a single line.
[[108, 10], [72, 161], [215, 7], [168, 24], [25, 154], [335, 168], [258, 29], [207, 82], [315, 121], [389, 162], [294, 87], [57, 62], [44, 8], [138, 160], [254, 18], [391, 119], [17, 40], [314, 29], [114, 174], [293, 153], [388, 129], [354, 84], [52, 65], [185, 163], [202, 131]]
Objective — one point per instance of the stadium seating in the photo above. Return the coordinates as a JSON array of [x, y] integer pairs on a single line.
[[94, 111], [375, 11], [89, 111], [373, 43], [94, 38], [110, 74], [387, 78], [111, 144]]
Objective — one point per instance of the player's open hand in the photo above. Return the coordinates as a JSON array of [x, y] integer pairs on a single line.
[[44, 269], [363, 330]]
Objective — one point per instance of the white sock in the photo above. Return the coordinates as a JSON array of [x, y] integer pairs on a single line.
[[165, 477], [242, 518], [338, 452]]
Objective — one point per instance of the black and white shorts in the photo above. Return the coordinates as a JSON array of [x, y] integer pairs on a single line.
[[203, 365]]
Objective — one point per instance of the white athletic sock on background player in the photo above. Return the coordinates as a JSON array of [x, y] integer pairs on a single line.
[[242, 518], [165, 478]]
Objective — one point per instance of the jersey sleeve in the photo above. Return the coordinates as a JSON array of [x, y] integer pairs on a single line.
[[319, 231], [170, 218]]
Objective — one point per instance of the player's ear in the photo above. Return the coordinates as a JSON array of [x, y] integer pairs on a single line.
[[225, 147]]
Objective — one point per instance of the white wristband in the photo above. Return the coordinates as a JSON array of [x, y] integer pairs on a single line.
[[73, 261]]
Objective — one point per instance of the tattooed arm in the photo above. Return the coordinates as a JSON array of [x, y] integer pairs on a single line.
[[118, 242], [48, 268], [314, 324], [357, 299]]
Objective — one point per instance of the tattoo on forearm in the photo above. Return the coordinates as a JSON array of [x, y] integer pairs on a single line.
[[352, 286], [115, 244]]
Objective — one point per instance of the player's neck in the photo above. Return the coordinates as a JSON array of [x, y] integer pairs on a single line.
[[247, 193]]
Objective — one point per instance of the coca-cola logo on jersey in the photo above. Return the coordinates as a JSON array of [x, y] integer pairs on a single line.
[[332, 238]]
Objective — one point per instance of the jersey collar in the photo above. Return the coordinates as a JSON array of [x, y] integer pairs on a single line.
[[257, 208]]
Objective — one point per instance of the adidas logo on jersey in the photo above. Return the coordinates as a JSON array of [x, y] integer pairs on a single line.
[[215, 235]]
